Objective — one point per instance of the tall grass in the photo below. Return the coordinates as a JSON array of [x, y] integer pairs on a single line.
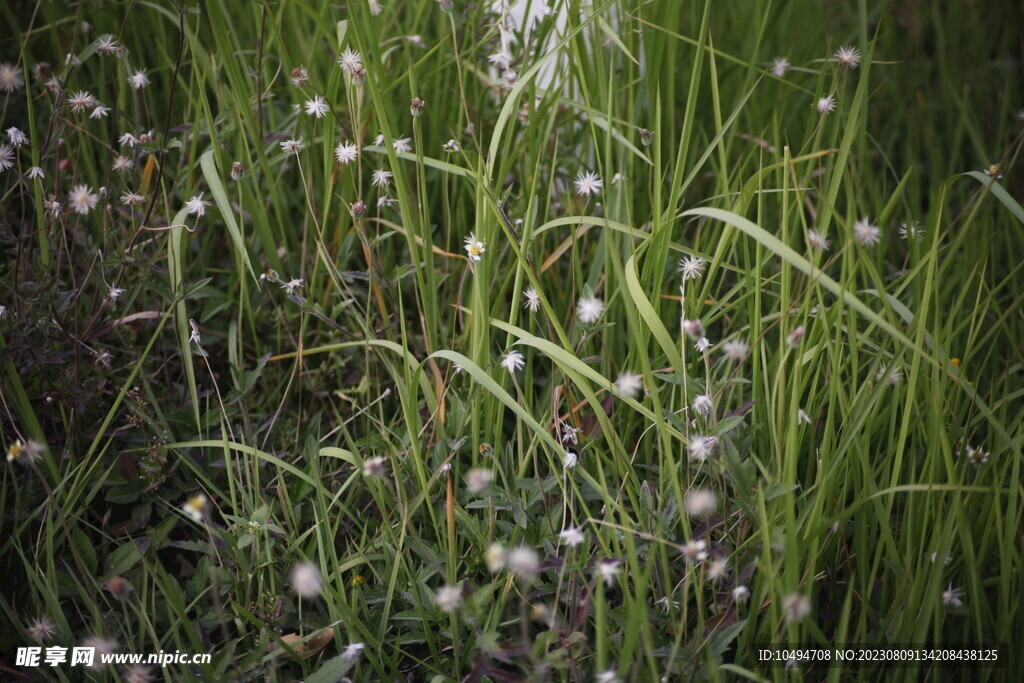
[[863, 441]]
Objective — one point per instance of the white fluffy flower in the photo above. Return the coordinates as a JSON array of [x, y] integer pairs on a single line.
[[700, 447], [196, 206], [692, 267], [139, 79], [82, 199], [449, 598], [780, 65], [306, 581], [17, 136], [589, 309], [848, 57], [700, 502], [702, 404], [867, 235], [531, 300], [350, 61], [381, 178], [523, 561], [572, 536], [826, 104], [629, 383]]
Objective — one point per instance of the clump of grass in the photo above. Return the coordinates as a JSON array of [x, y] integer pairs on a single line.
[[425, 339]]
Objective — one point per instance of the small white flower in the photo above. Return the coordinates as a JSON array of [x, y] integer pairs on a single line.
[[826, 104], [25, 452], [795, 607], [740, 594], [197, 205], [569, 434], [449, 598], [589, 309], [501, 59], [695, 550], [780, 65], [374, 467], [82, 199], [609, 676], [867, 235], [692, 267], [571, 536], [892, 373], [306, 581], [735, 349], [122, 164], [848, 57], [352, 651], [817, 241], [700, 447], [346, 152], [911, 230], [194, 338], [317, 107], [523, 561], [350, 61], [81, 101], [700, 502], [474, 248], [375, 7], [132, 198], [381, 178], [629, 383], [35, 173], [17, 137], [608, 570], [195, 507], [10, 77], [718, 569], [292, 146], [41, 630], [952, 597], [6, 157], [702, 404], [570, 460], [796, 336], [588, 183], [495, 558], [531, 299], [99, 112], [402, 145], [478, 480], [702, 345], [693, 328], [801, 416], [128, 139], [53, 207], [451, 146], [107, 46], [513, 361], [292, 286], [138, 80]]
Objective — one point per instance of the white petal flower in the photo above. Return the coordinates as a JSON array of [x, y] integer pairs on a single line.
[[474, 248], [82, 199], [848, 57], [138, 79], [588, 183], [6, 157], [346, 152], [700, 447], [449, 598], [826, 104], [381, 178], [780, 65], [196, 206], [513, 361], [572, 536], [350, 61], [292, 145], [692, 267], [531, 300], [317, 107], [17, 136], [306, 581]]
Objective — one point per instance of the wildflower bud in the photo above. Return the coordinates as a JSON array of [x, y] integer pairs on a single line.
[[300, 76], [146, 137], [358, 209], [646, 136], [796, 336], [358, 76], [237, 170], [417, 106], [118, 587]]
